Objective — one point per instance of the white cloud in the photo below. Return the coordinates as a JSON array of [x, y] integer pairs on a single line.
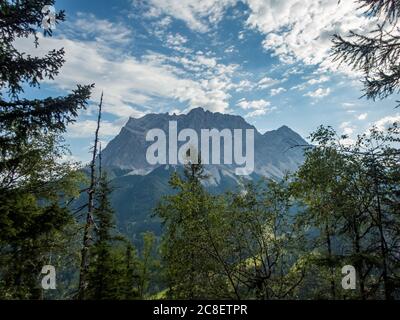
[[267, 82], [244, 85], [247, 85], [256, 113], [319, 93], [176, 40], [277, 91], [301, 30], [198, 15], [348, 131], [321, 79], [295, 30], [205, 61], [230, 49], [311, 82], [105, 32], [165, 22], [345, 124], [347, 127], [347, 141], [384, 123], [175, 111], [362, 116], [259, 107], [254, 104], [128, 81], [87, 128], [348, 105]]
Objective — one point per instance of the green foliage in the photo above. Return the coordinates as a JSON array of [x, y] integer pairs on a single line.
[[190, 272], [376, 54], [265, 245], [350, 203], [290, 239], [108, 267], [234, 246], [116, 270], [26, 238], [34, 182]]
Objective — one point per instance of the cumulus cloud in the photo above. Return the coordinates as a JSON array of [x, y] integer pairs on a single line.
[[384, 123], [256, 113], [362, 116], [295, 30], [176, 39], [347, 141], [321, 79], [301, 30], [311, 82], [87, 128], [267, 82], [87, 26], [347, 127], [206, 61], [175, 42], [348, 130], [244, 85], [133, 85], [230, 49], [259, 107], [263, 83], [277, 91], [319, 93], [198, 15], [254, 104]]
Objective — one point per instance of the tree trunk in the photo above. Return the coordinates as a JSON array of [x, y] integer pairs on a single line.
[[388, 295], [332, 271], [89, 217]]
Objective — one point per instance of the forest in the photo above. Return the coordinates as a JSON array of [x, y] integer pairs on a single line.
[[270, 240]]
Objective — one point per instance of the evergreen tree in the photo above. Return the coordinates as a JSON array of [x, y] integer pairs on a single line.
[[116, 270], [146, 264], [131, 281], [104, 272], [33, 183], [377, 54]]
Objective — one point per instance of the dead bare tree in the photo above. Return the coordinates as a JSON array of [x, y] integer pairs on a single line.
[[89, 216]]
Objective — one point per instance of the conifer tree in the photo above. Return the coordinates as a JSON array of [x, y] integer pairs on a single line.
[[377, 54], [102, 282], [33, 182]]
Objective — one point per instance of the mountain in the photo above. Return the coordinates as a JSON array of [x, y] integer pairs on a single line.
[[275, 151], [138, 185]]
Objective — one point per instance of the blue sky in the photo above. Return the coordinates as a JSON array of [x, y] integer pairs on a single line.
[[265, 60]]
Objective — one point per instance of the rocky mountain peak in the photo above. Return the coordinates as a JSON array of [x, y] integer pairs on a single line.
[[273, 153]]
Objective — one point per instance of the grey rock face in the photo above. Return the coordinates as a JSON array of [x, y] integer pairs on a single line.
[[276, 152]]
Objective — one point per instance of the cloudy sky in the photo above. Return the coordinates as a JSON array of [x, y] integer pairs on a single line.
[[266, 60]]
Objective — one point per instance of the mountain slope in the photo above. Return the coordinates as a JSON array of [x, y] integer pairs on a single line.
[[139, 186], [275, 151]]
